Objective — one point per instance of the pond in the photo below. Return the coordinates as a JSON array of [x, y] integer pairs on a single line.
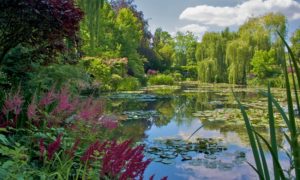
[[194, 131]]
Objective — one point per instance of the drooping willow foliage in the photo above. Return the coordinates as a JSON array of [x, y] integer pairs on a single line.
[[238, 61], [91, 22], [233, 52]]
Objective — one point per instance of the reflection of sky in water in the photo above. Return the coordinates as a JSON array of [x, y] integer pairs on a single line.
[[184, 170], [177, 122]]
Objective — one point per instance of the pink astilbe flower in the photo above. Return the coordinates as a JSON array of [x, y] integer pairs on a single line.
[[13, 103], [120, 160], [48, 98], [90, 110], [64, 103], [108, 122], [91, 150], [42, 148], [32, 111], [53, 147]]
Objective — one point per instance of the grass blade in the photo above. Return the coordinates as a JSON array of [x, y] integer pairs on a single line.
[[272, 132], [275, 159], [294, 135], [295, 89], [291, 54], [263, 159], [254, 168], [251, 136], [279, 108]]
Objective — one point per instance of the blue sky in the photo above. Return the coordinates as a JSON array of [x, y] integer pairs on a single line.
[[199, 16]]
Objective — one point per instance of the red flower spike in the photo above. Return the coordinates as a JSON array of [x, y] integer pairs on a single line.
[[42, 148], [53, 147]]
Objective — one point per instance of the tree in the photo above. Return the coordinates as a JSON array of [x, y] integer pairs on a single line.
[[264, 64], [34, 33], [130, 36], [238, 60], [185, 48], [91, 24], [43, 25], [295, 40]]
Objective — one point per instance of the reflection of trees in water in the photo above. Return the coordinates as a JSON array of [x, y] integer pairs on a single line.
[[180, 108], [166, 111]]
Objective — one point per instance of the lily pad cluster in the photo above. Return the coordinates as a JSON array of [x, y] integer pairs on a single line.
[[137, 115], [169, 151], [232, 116], [134, 96]]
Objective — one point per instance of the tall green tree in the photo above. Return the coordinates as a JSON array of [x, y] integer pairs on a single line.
[[130, 36], [91, 23], [238, 56]]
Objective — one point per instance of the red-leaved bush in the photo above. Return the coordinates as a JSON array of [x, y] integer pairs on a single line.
[[43, 24]]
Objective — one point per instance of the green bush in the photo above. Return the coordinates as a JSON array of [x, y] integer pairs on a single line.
[[190, 72], [59, 75], [129, 84], [177, 76], [161, 79], [273, 82]]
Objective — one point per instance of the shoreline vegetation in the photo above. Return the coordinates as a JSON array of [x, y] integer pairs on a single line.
[[57, 59]]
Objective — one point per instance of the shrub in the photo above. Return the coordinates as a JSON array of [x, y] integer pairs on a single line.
[[161, 79], [177, 76], [115, 81], [129, 84], [59, 75]]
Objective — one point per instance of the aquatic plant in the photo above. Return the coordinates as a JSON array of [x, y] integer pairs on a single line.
[[291, 134]]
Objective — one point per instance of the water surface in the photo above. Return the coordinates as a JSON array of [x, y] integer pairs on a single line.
[[164, 118]]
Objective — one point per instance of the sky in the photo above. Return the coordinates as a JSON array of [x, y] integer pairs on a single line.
[[200, 16]]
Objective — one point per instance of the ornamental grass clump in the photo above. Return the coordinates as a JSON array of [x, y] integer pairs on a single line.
[[291, 133]]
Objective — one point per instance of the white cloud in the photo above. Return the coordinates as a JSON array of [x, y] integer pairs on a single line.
[[237, 15], [194, 28]]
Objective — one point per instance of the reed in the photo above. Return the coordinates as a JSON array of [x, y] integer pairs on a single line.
[[291, 134]]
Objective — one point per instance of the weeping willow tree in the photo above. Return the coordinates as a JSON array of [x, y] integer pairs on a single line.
[[207, 70], [238, 55], [91, 23]]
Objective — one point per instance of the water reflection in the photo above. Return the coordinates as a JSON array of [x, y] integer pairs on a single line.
[[149, 116]]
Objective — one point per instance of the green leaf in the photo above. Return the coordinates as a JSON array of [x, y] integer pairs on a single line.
[[3, 140], [251, 136], [272, 132], [274, 157]]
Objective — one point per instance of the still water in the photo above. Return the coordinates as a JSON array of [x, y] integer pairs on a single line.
[[194, 131]]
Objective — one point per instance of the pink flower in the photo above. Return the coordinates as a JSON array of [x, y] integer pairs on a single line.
[[108, 122], [64, 103], [121, 159], [53, 147], [89, 153], [90, 110], [48, 98], [13, 103]]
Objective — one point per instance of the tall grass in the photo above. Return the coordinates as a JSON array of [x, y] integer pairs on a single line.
[[291, 134]]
